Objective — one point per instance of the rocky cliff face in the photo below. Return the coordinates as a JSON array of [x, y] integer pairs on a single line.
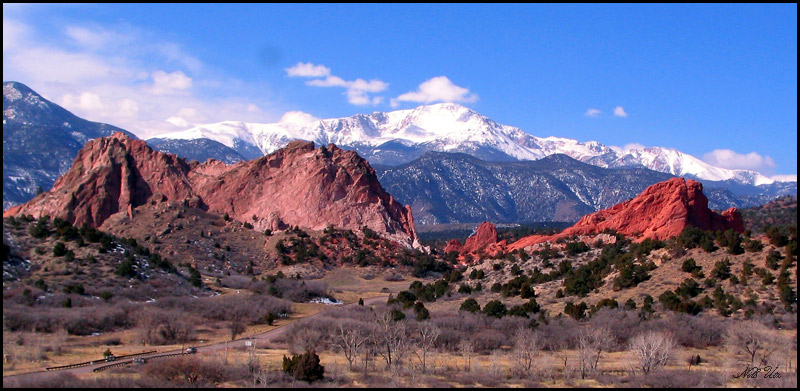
[[663, 210], [295, 186], [484, 238], [40, 141]]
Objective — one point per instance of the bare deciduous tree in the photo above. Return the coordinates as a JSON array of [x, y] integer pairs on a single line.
[[651, 350], [753, 339], [236, 327], [427, 334], [527, 345], [391, 341], [158, 327], [591, 344], [351, 339], [466, 349], [305, 339]]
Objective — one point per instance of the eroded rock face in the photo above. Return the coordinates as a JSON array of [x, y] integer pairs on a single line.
[[663, 210], [453, 246], [485, 235], [485, 238], [298, 185]]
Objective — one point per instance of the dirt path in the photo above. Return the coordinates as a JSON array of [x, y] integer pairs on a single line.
[[266, 336]]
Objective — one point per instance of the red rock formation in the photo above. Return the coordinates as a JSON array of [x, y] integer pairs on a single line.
[[453, 245], [485, 235], [484, 240], [663, 210], [297, 185]]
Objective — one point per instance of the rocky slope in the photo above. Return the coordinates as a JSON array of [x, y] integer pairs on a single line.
[[660, 212], [449, 188], [295, 186], [442, 188], [40, 141]]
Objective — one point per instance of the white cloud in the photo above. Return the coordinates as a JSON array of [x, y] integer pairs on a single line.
[[117, 75], [179, 122], [170, 83], [357, 91], [13, 32], [437, 89], [298, 118], [88, 101], [128, 108], [308, 69], [42, 64], [627, 147], [785, 178], [632, 146], [592, 113], [95, 38], [620, 112], [727, 158]]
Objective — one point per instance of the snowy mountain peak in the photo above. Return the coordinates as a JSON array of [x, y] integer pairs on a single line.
[[400, 136]]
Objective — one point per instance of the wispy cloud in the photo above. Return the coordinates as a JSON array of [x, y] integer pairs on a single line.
[[620, 112], [170, 83], [437, 89], [785, 178], [307, 69], [727, 158], [138, 83], [298, 118], [357, 91], [592, 113]]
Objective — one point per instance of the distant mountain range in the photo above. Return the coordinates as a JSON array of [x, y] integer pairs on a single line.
[[40, 141], [487, 171], [398, 137], [455, 187]]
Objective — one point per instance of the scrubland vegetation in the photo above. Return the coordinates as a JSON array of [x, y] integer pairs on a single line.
[[696, 310]]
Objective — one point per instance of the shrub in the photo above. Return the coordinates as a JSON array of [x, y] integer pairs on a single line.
[[305, 367], [59, 250], [577, 312], [689, 288], [74, 288], [125, 269], [39, 230], [722, 270], [495, 308], [470, 305], [421, 312], [690, 265]]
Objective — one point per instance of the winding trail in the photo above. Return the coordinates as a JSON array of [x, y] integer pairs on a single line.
[[266, 336]]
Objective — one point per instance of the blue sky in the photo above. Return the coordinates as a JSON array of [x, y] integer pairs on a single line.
[[716, 81]]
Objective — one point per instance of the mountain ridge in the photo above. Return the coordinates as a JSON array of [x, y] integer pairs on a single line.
[[32, 125], [400, 136]]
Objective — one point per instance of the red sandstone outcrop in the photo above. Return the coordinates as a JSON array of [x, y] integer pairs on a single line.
[[663, 210], [484, 240], [453, 245], [297, 185], [485, 235]]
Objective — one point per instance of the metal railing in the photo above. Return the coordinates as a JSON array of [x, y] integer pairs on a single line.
[[101, 360]]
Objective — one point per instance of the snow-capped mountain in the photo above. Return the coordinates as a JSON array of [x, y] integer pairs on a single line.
[[40, 141], [398, 137], [455, 188]]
